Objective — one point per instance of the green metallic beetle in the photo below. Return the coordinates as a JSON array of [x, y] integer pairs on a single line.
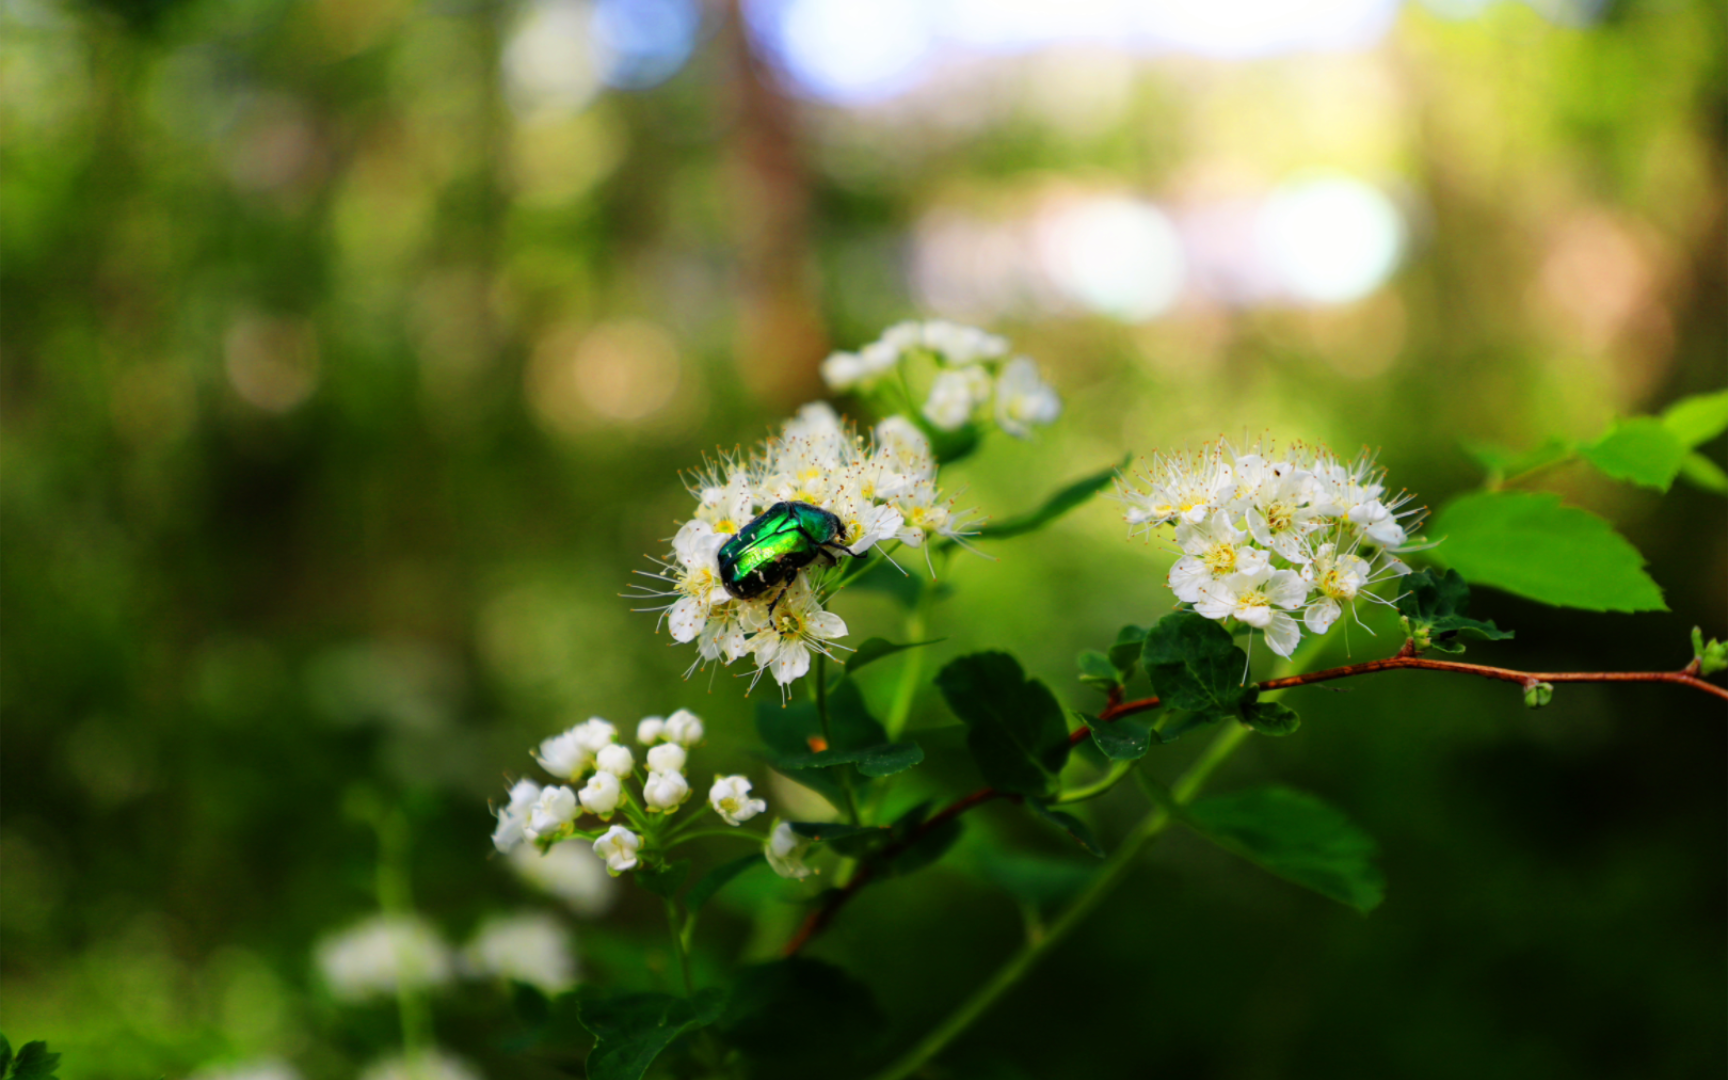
[[774, 546]]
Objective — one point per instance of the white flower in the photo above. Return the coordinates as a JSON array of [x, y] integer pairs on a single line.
[[618, 846], [1254, 599], [903, 449], [665, 791], [667, 757], [1284, 505], [1180, 489], [785, 850], [527, 948], [697, 548], [555, 808], [1339, 578], [684, 728], [513, 818], [615, 759], [380, 955], [923, 511], [602, 794], [962, 345], [650, 730], [564, 756], [1023, 399], [843, 370], [594, 734], [1213, 549], [954, 394], [431, 1064], [570, 872], [783, 643], [864, 522], [730, 798]]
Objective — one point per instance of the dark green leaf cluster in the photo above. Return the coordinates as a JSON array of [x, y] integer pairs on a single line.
[[1299, 838], [1433, 610], [1202, 677], [854, 741], [1015, 729], [32, 1062]]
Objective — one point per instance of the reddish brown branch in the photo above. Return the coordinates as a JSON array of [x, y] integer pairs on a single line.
[[1116, 708]]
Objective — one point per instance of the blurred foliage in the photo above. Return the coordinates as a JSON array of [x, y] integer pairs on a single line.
[[341, 397]]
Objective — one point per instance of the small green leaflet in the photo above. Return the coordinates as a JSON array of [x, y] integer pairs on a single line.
[[632, 1029], [1076, 829], [1531, 545], [1054, 507], [1195, 666], [1641, 449], [1015, 730], [1297, 837], [884, 759], [1697, 419], [1433, 608]]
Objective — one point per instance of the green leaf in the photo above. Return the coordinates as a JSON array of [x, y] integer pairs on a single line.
[[1701, 472], [718, 878], [1196, 667], [34, 1062], [1172, 724], [846, 839], [791, 732], [884, 759], [1036, 879], [1640, 449], [632, 1029], [1076, 829], [1054, 507], [1712, 656], [1016, 731], [1299, 838], [876, 648], [5, 1056], [1504, 462], [1097, 670], [853, 726], [1697, 419], [800, 1008], [927, 848], [1125, 654], [1433, 610], [1120, 740], [1271, 718], [664, 880], [1531, 545]]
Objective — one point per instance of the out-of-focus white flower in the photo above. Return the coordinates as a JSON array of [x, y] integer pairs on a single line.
[[730, 798], [684, 728], [954, 395], [962, 345], [265, 1069], [433, 1064], [667, 757], [615, 759], [618, 847], [1024, 399], [601, 794], [571, 872], [649, 731], [531, 948], [783, 643], [377, 956], [665, 791], [785, 850], [555, 809], [513, 817]]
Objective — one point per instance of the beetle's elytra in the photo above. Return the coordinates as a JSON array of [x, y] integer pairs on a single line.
[[775, 545]]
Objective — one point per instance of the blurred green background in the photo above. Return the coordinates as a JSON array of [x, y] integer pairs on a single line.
[[352, 349]]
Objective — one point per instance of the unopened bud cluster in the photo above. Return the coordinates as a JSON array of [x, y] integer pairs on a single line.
[[1267, 536], [596, 771]]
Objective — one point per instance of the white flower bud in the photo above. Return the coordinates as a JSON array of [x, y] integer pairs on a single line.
[[513, 819], [594, 734], [616, 759], [564, 757], [667, 757], [730, 798], [650, 731], [617, 846], [555, 808], [785, 851], [602, 794], [684, 727], [665, 791]]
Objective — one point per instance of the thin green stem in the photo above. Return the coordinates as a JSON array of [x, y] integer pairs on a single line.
[[680, 946], [1114, 869], [1117, 772], [739, 834], [828, 735], [917, 623], [395, 897]]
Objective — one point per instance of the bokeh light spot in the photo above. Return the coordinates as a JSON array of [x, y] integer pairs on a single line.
[[1330, 238]]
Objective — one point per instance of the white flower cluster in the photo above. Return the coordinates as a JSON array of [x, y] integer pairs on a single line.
[[1264, 535], [881, 489], [975, 376], [385, 953], [588, 755], [431, 1064]]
